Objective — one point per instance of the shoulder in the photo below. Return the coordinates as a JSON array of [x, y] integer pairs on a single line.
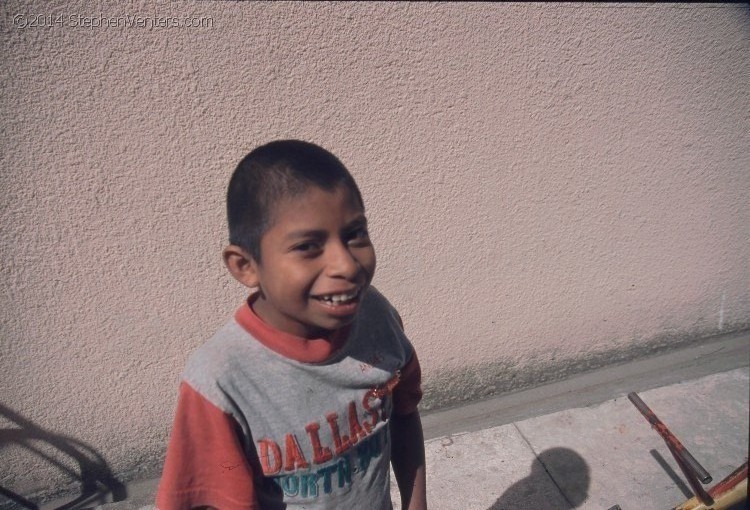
[[379, 325], [375, 305], [217, 352], [212, 366]]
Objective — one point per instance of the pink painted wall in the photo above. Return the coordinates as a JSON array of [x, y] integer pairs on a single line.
[[551, 188]]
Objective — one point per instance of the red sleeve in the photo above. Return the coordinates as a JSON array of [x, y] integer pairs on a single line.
[[408, 391], [205, 464]]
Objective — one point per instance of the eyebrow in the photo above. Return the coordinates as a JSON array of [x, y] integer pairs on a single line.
[[359, 221]]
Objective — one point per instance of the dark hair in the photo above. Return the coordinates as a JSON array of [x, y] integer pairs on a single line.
[[274, 171]]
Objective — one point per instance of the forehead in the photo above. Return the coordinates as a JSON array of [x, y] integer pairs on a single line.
[[315, 205]]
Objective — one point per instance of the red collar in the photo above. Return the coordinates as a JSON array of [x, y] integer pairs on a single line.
[[305, 350]]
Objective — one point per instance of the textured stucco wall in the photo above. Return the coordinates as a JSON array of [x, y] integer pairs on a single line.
[[551, 188]]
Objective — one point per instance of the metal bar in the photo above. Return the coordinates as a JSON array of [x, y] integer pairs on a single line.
[[675, 446], [728, 494], [698, 489]]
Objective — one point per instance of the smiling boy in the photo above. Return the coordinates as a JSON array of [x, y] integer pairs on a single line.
[[303, 399]]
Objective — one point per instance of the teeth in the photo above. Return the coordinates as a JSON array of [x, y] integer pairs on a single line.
[[339, 298]]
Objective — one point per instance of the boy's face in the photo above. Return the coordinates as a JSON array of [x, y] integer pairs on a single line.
[[316, 263]]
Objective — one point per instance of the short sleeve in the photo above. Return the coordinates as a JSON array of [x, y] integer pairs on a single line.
[[205, 463], [408, 391]]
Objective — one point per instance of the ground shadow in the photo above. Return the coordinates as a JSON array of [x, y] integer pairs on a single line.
[[671, 473], [97, 483], [546, 467]]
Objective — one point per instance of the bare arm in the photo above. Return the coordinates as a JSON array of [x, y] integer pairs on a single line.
[[407, 457]]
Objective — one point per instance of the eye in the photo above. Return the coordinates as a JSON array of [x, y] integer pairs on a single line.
[[307, 248], [358, 237]]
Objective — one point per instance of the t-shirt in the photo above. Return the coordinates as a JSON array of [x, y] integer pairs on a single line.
[[268, 420]]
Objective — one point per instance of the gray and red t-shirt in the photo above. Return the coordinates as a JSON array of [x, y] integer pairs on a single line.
[[269, 420]]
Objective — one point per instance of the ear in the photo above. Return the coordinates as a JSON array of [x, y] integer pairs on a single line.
[[241, 265]]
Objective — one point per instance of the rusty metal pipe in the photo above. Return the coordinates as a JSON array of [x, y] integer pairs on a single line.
[[726, 494], [698, 489], [678, 450]]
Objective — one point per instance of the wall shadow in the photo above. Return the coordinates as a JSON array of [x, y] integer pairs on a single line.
[[97, 483], [574, 485]]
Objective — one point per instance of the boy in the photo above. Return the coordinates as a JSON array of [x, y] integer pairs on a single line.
[[303, 398]]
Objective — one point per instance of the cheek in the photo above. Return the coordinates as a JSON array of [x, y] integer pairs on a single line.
[[291, 282], [367, 261], [299, 278]]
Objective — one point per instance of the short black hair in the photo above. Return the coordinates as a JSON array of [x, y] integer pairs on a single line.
[[271, 172]]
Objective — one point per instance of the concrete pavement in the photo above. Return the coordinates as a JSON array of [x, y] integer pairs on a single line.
[[594, 457], [580, 443]]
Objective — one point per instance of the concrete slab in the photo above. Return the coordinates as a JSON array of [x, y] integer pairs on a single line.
[[628, 463], [140, 496], [488, 469]]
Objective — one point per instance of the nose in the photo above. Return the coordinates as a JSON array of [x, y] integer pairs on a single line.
[[341, 263]]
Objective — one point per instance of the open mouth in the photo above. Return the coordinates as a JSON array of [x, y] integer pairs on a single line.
[[344, 298]]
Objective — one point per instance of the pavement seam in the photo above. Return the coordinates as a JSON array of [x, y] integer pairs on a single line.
[[536, 456]]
